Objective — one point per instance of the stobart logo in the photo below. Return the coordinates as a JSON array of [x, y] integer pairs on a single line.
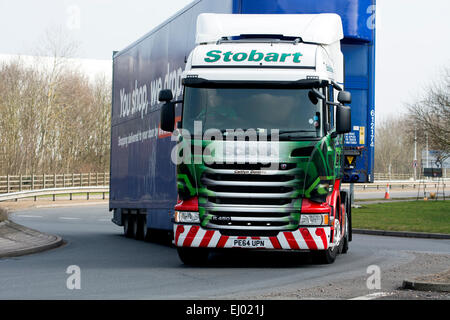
[[253, 56]]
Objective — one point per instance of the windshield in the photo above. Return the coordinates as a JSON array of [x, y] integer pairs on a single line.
[[294, 112]]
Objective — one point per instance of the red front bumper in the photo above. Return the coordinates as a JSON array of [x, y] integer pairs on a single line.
[[314, 238]]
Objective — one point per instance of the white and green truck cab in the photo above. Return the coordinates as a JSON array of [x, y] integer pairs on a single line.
[[259, 134]]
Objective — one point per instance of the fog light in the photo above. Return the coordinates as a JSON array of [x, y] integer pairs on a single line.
[[187, 217]]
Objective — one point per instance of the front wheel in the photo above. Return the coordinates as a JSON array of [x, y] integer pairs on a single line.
[[325, 256], [193, 256], [347, 226], [329, 256]]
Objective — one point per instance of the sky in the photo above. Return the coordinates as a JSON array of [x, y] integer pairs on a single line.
[[412, 42]]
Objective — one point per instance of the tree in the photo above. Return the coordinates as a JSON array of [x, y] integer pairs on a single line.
[[53, 119], [431, 113], [394, 146]]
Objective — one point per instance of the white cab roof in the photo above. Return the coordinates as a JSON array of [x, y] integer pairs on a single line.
[[325, 28]]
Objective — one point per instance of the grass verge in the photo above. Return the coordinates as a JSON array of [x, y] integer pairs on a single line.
[[419, 216]]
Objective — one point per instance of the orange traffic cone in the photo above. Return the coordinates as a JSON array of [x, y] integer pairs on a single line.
[[386, 194]]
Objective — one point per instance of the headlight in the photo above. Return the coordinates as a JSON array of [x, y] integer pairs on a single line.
[[187, 217], [313, 219]]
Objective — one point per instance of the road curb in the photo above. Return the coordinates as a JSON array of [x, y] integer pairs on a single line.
[[22, 240], [426, 286], [405, 234]]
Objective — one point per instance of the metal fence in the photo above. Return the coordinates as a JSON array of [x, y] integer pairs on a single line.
[[70, 191], [18, 183], [389, 177], [404, 176], [401, 185]]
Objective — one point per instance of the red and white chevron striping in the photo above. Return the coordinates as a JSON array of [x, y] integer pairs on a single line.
[[315, 238]]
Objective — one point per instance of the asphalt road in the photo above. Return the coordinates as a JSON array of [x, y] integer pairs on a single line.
[[114, 267]]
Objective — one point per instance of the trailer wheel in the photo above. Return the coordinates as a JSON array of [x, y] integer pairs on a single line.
[[193, 256], [129, 225], [142, 230], [134, 225], [126, 226]]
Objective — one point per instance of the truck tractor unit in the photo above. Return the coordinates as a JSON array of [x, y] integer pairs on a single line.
[[241, 137], [250, 77]]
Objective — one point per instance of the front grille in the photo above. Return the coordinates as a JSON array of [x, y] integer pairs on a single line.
[[249, 177], [250, 213], [251, 189], [251, 218], [246, 202], [249, 166], [248, 199]]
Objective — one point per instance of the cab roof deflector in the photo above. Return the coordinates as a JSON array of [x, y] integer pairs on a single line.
[[325, 28]]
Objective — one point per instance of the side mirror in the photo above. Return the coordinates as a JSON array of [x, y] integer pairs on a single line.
[[165, 95], [345, 97], [167, 119], [343, 119], [167, 111]]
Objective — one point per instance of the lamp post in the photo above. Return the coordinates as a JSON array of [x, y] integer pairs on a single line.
[[426, 134], [415, 153]]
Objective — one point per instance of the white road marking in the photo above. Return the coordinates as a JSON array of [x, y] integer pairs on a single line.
[[27, 216], [68, 218], [372, 296]]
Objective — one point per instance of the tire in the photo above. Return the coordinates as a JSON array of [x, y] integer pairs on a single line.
[[141, 229], [341, 242], [349, 216], [127, 230], [134, 226], [346, 201], [193, 256], [329, 256], [325, 256]]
